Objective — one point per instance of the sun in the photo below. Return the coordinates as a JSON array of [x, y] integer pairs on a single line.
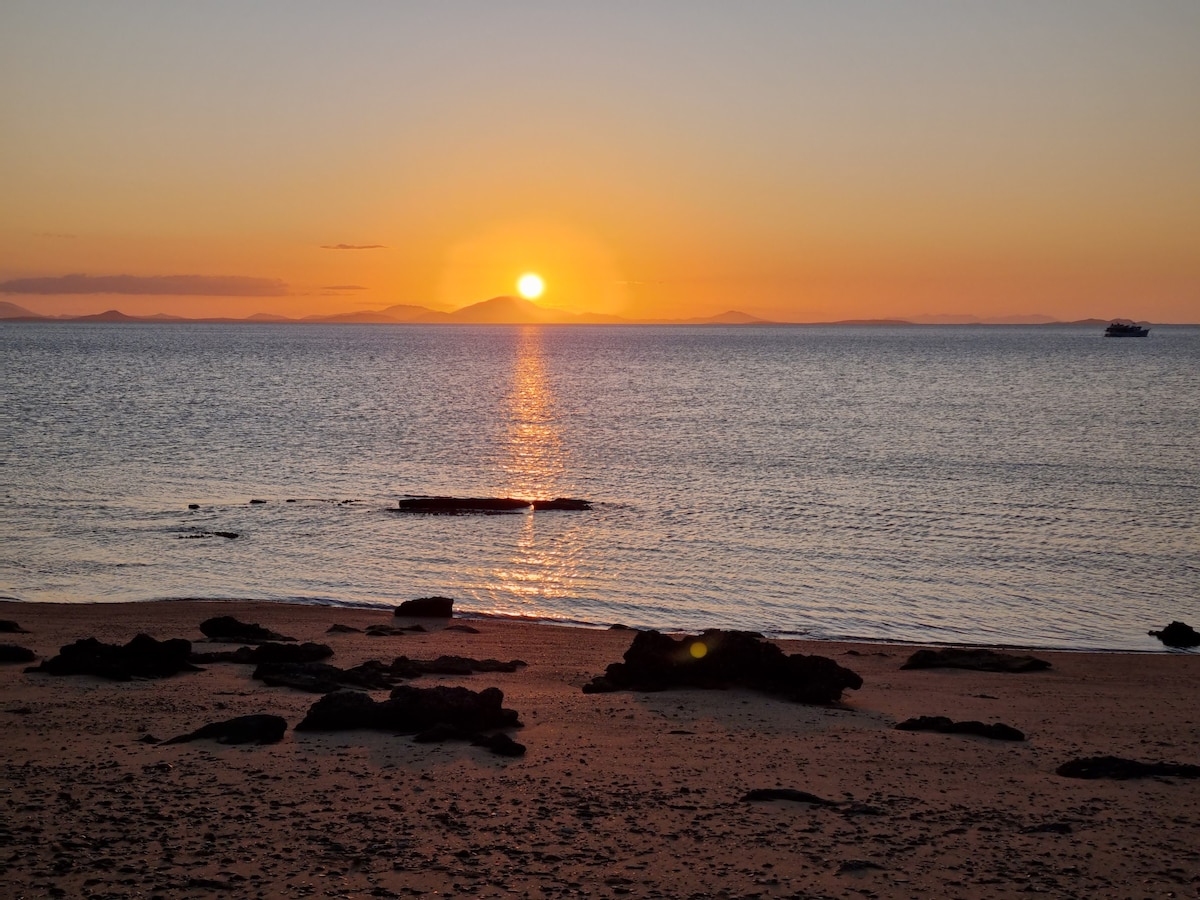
[[530, 286]]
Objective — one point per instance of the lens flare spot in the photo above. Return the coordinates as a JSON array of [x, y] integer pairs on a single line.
[[698, 649]]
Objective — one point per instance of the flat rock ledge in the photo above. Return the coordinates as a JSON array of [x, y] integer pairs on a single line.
[[1119, 769], [997, 731], [253, 729], [458, 506], [971, 658], [717, 659]]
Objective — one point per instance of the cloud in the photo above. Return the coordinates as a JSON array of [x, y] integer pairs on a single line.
[[179, 285], [353, 247], [343, 287]]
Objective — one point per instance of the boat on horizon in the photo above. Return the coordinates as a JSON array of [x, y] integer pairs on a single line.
[[1123, 328]]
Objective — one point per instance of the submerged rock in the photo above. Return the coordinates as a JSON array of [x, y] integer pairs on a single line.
[[142, 657], [996, 731], [1178, 634], [974, 658], [8, 626], [564, 503], [721, 659]]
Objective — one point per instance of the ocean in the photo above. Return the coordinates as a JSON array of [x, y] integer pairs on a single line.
[[1025, 485]]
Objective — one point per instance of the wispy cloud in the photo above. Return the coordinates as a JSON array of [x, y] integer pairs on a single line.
[[343, 287], [180, 285], [353, 246]]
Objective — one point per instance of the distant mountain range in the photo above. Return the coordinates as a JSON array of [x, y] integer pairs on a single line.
[[508, 310]]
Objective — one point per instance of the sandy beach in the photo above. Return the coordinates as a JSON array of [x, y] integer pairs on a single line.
[[618, 794]]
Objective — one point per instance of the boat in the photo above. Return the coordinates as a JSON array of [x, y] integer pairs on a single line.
[[1121, 328]]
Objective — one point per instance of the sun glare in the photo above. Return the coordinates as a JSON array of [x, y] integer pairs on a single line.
[[530, 286]]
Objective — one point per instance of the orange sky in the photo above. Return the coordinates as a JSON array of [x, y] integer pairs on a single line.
[[801, 162]]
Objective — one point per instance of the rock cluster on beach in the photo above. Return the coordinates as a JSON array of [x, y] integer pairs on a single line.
[[142, 657], [685, 793], [723, 659]]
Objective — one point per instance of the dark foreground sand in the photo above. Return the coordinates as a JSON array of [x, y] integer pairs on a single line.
[[636, 795]]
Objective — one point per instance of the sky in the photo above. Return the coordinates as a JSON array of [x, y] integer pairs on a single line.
[[800, 161]]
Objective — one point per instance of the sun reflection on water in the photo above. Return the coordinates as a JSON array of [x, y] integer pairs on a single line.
[[537, 465]]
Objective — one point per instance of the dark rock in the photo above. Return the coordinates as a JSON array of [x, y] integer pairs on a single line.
[[410, 710], [193, 506], [8, 626], [427, 607], [225, 534], [311, 677], [500, 744], [342, 629], [997, 731], [465, 665], [229, 630], [617, 626], [721, 659], [970, 658], [1177, 634], [567, 503], [205, 534], [149, 739], [268, 653], [1124, 769], [321, 678], [259, 729], [257, 502], [465, 629], [387, 631], [12, 653], [142, 657], [441, 732], [20, 711], [450, 506], [760, 795]]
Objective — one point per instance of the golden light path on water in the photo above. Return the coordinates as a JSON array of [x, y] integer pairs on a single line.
[[536, 466]]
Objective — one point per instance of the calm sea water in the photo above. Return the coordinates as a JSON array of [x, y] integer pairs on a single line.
[[1025, 485]]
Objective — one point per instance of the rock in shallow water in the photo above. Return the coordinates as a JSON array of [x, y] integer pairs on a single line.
[[1178, 634]]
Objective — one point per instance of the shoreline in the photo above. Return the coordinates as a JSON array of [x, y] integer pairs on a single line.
[[621, 794], [783, 636]]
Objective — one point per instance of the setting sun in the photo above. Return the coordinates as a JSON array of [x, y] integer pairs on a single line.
[[530, 286]]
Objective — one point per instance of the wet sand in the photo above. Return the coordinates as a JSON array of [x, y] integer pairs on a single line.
[[625, 794]]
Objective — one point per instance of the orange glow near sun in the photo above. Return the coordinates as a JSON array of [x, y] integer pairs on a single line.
[[530, 286]]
